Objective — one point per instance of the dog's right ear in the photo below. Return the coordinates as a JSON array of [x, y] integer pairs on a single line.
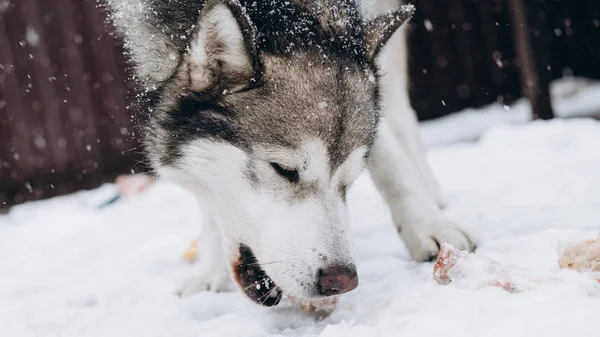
[[222, 53], [154, 54]]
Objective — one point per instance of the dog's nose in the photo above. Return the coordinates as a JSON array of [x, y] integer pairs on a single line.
[[336, 280]]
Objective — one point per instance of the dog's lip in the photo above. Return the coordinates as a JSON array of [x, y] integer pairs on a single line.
[[253, 280]]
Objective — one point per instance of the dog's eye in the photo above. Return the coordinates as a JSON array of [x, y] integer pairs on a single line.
[[292, 175]]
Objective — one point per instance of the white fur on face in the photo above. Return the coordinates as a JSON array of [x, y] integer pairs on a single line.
[[292, 237]]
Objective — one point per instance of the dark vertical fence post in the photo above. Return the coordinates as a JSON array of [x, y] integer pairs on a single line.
[[541, 40], [534, 87]]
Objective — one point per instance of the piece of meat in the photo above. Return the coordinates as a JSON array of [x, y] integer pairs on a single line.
[[191, 253], [130, 185], [580, 256], [321, 308], [473, 271]]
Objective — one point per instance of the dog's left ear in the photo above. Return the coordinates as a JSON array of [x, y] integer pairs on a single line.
[[223, 54], [380, 29]]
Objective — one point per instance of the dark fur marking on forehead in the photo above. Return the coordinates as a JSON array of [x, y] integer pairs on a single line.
[[285, 27], [299, 103], [347, 134]]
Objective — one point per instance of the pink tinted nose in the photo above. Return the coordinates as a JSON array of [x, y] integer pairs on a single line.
[[336, 280]]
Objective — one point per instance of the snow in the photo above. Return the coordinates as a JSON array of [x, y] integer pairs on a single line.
[[571, 97], [70, 269], [32, 36]]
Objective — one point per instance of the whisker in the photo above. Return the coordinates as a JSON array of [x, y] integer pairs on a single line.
[[258, 264], [267, 295]]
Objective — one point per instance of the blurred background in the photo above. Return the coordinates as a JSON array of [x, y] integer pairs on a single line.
[[66, 125]]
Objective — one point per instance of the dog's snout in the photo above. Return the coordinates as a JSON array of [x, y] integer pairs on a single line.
[[336, 280]]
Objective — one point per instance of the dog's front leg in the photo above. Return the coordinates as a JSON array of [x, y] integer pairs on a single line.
[[211, 271], [401, 117], [420, 222]]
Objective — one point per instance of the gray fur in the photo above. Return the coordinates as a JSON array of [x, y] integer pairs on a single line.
[[228, 81], [311, 92]]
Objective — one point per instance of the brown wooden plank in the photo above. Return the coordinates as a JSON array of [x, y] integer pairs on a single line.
[[14, 134]]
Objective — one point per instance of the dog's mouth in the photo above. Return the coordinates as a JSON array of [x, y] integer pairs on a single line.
[[255, 283]]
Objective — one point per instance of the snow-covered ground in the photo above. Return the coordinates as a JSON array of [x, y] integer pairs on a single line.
[[70, 270], [571, 97]]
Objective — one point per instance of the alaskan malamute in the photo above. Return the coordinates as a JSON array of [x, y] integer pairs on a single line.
[[267, 111]]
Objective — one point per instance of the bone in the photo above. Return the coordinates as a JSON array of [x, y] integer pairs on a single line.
[[130, 185], [320, 307], [191, 253], [473, 271], [581, 256]]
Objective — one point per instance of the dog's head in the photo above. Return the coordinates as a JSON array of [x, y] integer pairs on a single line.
[[266, 110]]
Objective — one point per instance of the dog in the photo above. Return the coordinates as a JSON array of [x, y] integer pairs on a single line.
[[267, 111]]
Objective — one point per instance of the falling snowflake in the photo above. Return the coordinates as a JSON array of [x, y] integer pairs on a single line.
[[428, 25], [4, 5], [32, 36]]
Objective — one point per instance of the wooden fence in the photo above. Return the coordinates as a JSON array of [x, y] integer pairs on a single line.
[[463, 51], [64, 124]]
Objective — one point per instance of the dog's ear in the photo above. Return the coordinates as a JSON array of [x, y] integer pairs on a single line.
[[222, 53], [147, 42], [380, 29]]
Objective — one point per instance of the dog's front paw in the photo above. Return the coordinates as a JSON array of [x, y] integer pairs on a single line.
[[424, 240], [218, 281]]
